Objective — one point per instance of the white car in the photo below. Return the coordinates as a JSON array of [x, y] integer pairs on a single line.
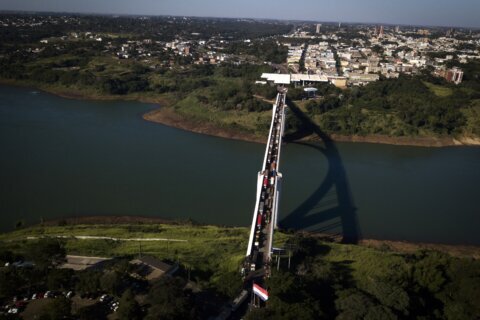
[[104, 298], [13, 311]]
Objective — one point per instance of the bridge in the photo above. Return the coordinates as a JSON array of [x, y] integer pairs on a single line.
[[265, 216]]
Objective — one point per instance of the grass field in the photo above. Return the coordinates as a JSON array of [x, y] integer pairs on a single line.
[[439, 91], [207, 250]]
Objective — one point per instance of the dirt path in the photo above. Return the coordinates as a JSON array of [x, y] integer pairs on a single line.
[[112, 238]]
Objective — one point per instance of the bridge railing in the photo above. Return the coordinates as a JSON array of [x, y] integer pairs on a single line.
[[277, 126]]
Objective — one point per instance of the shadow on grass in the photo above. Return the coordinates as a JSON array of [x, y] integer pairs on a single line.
[[341, 211]]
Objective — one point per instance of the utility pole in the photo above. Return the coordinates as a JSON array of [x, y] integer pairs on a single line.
[[289, 256]]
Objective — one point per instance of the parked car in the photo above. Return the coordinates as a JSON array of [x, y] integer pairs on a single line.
[[13, 311]]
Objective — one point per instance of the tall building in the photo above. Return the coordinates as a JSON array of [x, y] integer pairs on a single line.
[[397, 29], [380, 34], [318, 27], [454, 75]]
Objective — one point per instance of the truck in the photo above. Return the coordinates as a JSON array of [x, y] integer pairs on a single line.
[[261, 207], [259, 220], [253, 262], [273, 166], [265, 181]]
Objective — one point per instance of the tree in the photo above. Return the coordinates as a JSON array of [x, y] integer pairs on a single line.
[[46, 252], [9, 282], [429, 270], [229, 284], [88, 281], [6, 256], [353, 304], [111, 282], [97, 311], [168, 300], [60, 279], [128, 308], [57, 309]]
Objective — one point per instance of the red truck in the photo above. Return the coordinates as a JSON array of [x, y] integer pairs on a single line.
[[259, 220]]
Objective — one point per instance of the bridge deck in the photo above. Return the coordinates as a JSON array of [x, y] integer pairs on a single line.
[[264, 220]]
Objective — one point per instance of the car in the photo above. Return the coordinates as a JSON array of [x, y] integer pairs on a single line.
[[105, 298], [69, 294], [34, 296], [48, 294], [13, 311]]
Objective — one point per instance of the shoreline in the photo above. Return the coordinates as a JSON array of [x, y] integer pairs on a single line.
[[456, 250], [167, 116], [164, 114]]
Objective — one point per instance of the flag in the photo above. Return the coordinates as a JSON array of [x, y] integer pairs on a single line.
[[259, 291]]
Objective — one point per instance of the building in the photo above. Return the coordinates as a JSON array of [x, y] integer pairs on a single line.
[[340, 82], [310, 93], [276, 78], [78, 263], [150, 268], [318, 28], [355, 78], [454, 75], [300, 79]]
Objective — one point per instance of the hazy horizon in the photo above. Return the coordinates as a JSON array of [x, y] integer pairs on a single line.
[[443, 13]]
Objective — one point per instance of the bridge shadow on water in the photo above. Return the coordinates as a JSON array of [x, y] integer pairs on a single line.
[[330, 208]]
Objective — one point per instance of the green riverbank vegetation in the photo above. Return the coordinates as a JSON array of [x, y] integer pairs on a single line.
[[322, 280], [170, 62]]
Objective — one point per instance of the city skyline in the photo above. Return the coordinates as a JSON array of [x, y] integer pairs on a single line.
[[409, 12]]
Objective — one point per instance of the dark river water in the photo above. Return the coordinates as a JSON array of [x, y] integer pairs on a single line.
[[62, 158]]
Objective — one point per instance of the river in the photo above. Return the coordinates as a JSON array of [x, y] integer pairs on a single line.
[[63, 158]]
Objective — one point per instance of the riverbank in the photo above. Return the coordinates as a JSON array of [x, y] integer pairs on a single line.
[[99, 226], [166, 115], [211, 257]]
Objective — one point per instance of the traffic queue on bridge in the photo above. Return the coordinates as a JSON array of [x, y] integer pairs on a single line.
[[257, 262], [265, 207]]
